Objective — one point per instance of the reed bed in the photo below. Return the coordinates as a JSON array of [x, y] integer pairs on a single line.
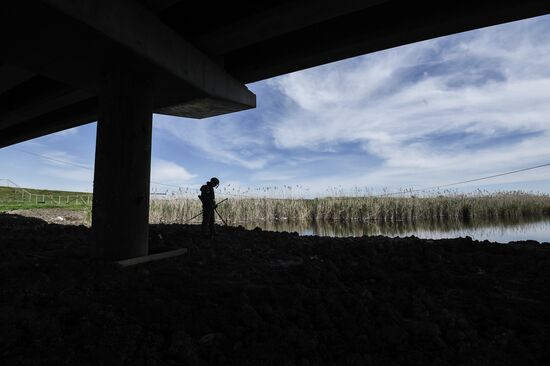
[[453, 207]]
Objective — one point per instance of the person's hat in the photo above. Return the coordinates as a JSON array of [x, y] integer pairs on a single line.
[[215, 181]]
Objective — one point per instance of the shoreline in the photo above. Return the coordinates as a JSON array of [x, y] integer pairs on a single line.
[[253, 297], [502, 231]]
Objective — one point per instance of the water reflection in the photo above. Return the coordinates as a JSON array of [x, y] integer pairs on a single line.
[[499, 231]]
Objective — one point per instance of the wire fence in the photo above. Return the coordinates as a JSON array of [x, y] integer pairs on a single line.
[[14, 194]]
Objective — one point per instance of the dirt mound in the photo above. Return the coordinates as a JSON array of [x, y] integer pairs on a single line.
[[262, 298]]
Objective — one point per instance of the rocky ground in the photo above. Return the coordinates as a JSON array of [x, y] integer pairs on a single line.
[[262, 298]]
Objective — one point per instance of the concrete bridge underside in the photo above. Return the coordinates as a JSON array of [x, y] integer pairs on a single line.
[[67, 63]]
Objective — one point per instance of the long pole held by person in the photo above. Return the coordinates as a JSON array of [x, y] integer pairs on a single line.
[[200, 213], [220, 216]]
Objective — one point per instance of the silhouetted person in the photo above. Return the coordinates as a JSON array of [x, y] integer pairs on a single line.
[[208, 200]]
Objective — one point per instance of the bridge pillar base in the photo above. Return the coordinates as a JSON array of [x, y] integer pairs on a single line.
[[120, 213]]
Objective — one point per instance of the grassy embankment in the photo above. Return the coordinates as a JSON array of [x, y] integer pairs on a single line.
[[14, 198], [512, 205]]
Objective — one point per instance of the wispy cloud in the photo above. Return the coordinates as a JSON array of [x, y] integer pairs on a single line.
[[430, 113], [65, 168], [60, 158], [68, 132], [468, 104], [224, 140], [70, 174], [163, 171]]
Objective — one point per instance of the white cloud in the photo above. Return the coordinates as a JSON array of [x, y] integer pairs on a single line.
[[70, 174], [63, 166], [164, 171], [68, 132], [219, 140], [430, 113], [271, 176], [489, 84]]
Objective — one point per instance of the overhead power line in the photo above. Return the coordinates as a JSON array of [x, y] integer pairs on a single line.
[[53, 159], [171, 185], [468, 181], [82, 166], [385, 194]]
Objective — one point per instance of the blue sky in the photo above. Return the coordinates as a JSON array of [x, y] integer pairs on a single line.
[[435, 112]]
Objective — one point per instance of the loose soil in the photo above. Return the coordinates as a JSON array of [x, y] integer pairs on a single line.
[[250, 297], [63, 216]]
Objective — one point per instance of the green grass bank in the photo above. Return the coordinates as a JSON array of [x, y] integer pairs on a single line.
[[16, 198]]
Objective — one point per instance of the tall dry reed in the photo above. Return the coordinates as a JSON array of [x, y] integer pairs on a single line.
[[461, 207]]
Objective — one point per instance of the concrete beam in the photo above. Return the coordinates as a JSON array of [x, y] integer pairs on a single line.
[[388, 25], [36, 98], [68, 117], [136, 29], [11, 76], [158, 6], [285, 18], [76, 43]]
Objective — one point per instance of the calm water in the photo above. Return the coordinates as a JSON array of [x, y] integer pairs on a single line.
[[502, 232]]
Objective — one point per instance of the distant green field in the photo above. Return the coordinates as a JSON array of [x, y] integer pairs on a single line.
[[13, 198]]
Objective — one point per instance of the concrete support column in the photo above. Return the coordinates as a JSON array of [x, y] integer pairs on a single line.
[[120, 214]]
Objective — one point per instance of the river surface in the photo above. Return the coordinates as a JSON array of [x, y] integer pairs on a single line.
[[500, 231]]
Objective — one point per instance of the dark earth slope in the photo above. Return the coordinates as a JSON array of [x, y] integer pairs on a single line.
[[262, 298]]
